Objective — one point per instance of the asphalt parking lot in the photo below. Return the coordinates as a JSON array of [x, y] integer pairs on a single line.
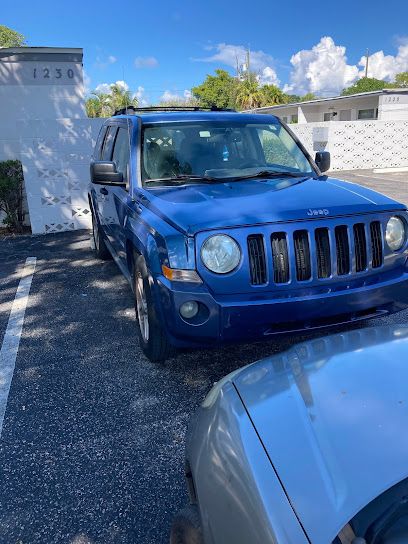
[[92, 443]]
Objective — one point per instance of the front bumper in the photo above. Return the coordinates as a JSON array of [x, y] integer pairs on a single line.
[[233, 318]]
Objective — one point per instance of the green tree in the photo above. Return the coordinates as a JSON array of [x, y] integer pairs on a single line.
[[366, 84], [179, 102], [217, 91], [272, 95], [401, 79], [11, 193], [249, 95], [307, 96], [105, 104], [120, 97], [293, 98], [11, 38]]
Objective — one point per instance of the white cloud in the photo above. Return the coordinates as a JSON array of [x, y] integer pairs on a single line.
[[169, 96], [236, 55], [146, 62], [102, 62], [141, 96], [383, 66], [268, 76], [321, 70], [106, 88]]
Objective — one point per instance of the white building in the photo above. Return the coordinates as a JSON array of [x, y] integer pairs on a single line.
[[43, 123], [37, 83], [385, 105]]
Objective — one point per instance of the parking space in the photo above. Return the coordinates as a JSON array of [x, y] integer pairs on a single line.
[[392, 184], [92, 444]]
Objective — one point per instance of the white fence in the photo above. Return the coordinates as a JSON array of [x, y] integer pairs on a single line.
[[55, 156], [358, 145]]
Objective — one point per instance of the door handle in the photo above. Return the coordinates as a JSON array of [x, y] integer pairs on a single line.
[[103, 191]]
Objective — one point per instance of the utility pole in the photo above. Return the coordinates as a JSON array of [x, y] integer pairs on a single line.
[[366, 68], [248, 64]]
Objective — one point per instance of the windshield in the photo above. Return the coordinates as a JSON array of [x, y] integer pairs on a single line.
[[211, 151]]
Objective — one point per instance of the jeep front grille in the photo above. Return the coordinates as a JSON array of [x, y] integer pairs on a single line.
[[280, 257], [323, 253], [342, 250], [302, 255], [360, 246], [320, 253], [257, 262], [376, 244]]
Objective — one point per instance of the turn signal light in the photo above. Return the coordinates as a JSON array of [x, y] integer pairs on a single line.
[[176, 274]]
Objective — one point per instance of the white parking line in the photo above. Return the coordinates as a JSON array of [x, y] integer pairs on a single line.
[[11, 340]]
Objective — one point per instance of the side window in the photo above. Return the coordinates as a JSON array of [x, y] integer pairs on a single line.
[[107, 144], [99, 143], [121, 152]]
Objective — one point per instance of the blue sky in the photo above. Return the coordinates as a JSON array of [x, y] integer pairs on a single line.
[[161, 46]]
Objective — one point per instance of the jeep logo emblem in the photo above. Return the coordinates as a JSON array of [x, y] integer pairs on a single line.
[[320, 211]]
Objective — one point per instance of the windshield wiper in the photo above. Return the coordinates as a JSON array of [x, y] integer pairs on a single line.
[[272, 174], [181, 178]]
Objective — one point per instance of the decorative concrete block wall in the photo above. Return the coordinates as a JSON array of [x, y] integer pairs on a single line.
[[358, 144], [55, 155]]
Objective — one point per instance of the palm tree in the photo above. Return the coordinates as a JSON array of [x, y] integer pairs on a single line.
[[105, 104], [249, 95], [121, 97], [272, 95]]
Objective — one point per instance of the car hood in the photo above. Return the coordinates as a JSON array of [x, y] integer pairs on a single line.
[[332, 414], [195, 208]]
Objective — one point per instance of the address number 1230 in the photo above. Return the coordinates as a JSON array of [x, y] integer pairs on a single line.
[[57, 73]]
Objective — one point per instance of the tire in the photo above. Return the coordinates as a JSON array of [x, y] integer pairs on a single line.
[[101, 250], [152, 337], [186, 527]]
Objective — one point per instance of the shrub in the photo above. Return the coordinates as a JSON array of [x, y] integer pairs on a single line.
[[11, 194]]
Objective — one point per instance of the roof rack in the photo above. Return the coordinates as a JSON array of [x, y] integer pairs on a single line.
[[131, 110]]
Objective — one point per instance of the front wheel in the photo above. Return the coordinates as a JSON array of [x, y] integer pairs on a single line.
[[152, 337], [186, 527]]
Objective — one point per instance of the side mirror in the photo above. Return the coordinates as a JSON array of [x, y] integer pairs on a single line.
[[322, 160], [105, 173]]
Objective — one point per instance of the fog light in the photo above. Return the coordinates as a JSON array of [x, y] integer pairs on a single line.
[[189, 309]]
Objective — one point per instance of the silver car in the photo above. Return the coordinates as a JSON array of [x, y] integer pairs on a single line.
[[310, 446]]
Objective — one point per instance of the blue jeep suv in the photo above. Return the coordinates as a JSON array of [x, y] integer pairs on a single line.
[[227, 230]]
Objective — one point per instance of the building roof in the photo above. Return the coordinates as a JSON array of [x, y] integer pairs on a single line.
[[17, 54], [345, 97]]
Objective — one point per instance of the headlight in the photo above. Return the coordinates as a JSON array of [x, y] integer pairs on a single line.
[[395, 233], [220, 253]]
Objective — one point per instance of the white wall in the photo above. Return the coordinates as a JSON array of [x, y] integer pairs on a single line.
[[37, 83], [393, 106], [55, 155], [358, 144]]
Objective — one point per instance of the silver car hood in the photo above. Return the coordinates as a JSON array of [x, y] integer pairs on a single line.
[[332, 414]]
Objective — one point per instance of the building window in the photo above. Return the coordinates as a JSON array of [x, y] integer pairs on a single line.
[[285, 119], [329, 116], [345, 115], [294, 118], [367, 114]]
